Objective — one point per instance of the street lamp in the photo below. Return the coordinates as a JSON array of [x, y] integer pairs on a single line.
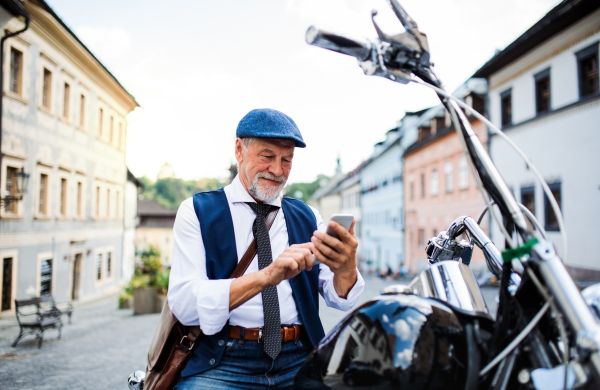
[[21, 183]]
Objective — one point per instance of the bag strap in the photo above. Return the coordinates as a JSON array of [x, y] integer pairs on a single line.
[[194, 331], [253, 248]]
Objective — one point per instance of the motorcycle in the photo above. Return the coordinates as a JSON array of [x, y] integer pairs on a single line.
[[436, 332]]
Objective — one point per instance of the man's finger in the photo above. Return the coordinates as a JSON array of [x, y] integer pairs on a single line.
[[323, 259], [325, 249], [330, 241]]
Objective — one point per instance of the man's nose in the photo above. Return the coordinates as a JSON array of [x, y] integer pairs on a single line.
[[276, 168]]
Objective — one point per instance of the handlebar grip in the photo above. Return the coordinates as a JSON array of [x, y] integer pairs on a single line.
[[337, 43]]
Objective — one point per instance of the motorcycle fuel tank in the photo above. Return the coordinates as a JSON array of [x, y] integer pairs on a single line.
[[392, 342]]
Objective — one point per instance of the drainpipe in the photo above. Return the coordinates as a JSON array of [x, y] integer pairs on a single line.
[[25, 14]]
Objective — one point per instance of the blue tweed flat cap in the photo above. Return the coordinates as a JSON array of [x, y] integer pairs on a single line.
[[268, 123]]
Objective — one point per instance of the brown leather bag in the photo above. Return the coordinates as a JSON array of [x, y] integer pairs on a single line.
[[173, 342]]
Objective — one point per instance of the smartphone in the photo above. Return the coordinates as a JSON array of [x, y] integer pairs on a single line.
[[343, 219]]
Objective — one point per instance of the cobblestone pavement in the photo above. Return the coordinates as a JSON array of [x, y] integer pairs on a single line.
[[104, 345]]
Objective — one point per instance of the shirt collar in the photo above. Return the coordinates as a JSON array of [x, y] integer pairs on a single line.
[[238, 194]]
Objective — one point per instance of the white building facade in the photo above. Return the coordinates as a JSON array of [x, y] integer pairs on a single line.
[[382, 201], [544, 94]]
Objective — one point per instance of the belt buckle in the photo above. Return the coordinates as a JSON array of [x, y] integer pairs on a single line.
[[260, 334]]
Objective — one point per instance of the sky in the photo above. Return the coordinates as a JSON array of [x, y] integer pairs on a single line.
[[196, 67]]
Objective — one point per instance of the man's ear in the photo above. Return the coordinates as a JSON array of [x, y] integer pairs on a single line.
[[239, 148]]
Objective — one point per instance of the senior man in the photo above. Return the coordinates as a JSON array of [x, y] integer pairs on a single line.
[[243, 346]]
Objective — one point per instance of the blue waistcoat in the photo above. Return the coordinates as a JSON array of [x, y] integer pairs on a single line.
[[216, 227]]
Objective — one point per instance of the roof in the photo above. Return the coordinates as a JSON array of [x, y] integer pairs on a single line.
[[134, 180], [42, 4], [151, 208], [15, 8], [559, 18]]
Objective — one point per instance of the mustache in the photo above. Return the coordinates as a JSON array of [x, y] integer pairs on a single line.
[[266, 175]]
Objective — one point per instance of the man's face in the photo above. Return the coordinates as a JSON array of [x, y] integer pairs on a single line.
[[264, 166]]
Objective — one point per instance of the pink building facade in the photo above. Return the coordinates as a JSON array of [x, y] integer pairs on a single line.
[[438, 188]]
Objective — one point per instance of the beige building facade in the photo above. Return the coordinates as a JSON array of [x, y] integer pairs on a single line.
[[64, 123]]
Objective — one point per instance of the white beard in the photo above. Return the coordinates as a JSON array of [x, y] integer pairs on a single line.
[[266, 193]]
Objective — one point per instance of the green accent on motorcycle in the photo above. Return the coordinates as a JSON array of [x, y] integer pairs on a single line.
[[518, 252]]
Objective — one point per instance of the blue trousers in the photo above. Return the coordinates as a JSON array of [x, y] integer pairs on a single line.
[[244, 365]]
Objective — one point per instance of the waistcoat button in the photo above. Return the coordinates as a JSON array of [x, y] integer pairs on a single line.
[[211, 362], [221, 343]]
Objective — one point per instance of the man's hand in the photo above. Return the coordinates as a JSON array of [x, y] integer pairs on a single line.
[[290, 263], [338, 255]]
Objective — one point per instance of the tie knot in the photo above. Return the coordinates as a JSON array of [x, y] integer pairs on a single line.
[[261, 209]]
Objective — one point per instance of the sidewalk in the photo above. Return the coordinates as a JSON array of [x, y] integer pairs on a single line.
[[98, 350]]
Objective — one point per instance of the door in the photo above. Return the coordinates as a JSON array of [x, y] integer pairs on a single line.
[[76, 277], [7, 264]]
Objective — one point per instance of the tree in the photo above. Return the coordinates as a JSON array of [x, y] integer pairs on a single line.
[[170, 192], [303, 191]]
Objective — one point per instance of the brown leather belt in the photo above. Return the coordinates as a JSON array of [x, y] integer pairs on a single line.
[[288, 333]]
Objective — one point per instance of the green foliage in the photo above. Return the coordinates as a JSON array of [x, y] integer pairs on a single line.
[[148, 273], [304, 191], [170, 192]]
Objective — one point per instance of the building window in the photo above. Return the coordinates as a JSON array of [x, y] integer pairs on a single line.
[[63, 197], [435, 183], [99, 266], [422, 185], [11, 189], [424, 132], [67, 100], [46, 277], [100, 123], [421, 237], [119, 135], [112, 130], [16, 71], [43, 201], [412, 188], [506, 107], [82, 111], [449, 176], [551, 220], [108, 264], [98, 201], [79, 199], [542, 91], [107, 202], [47, 90], [117, 204], [528, 198], [463, 174], [587, 64]]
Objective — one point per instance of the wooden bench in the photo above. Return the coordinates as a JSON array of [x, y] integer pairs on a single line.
[[44, 315]]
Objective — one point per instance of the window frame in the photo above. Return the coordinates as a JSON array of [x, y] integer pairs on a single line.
[[463, 174], [22, 46], [538, 78], [503, 95], [79, 203], [449, 171], [46, 107], [19, 77], [434, 182], [46, 170], [17, 163], [63, 175], [67, 90], [526, 191], [548, 206], [582, 55], [38, 278]]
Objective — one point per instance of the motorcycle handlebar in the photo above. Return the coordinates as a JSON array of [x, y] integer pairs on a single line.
[[337, 43]]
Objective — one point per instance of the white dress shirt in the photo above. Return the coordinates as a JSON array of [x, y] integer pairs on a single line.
[[196, 300]]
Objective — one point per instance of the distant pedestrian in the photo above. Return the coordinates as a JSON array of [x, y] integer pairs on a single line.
[[259, 328]]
